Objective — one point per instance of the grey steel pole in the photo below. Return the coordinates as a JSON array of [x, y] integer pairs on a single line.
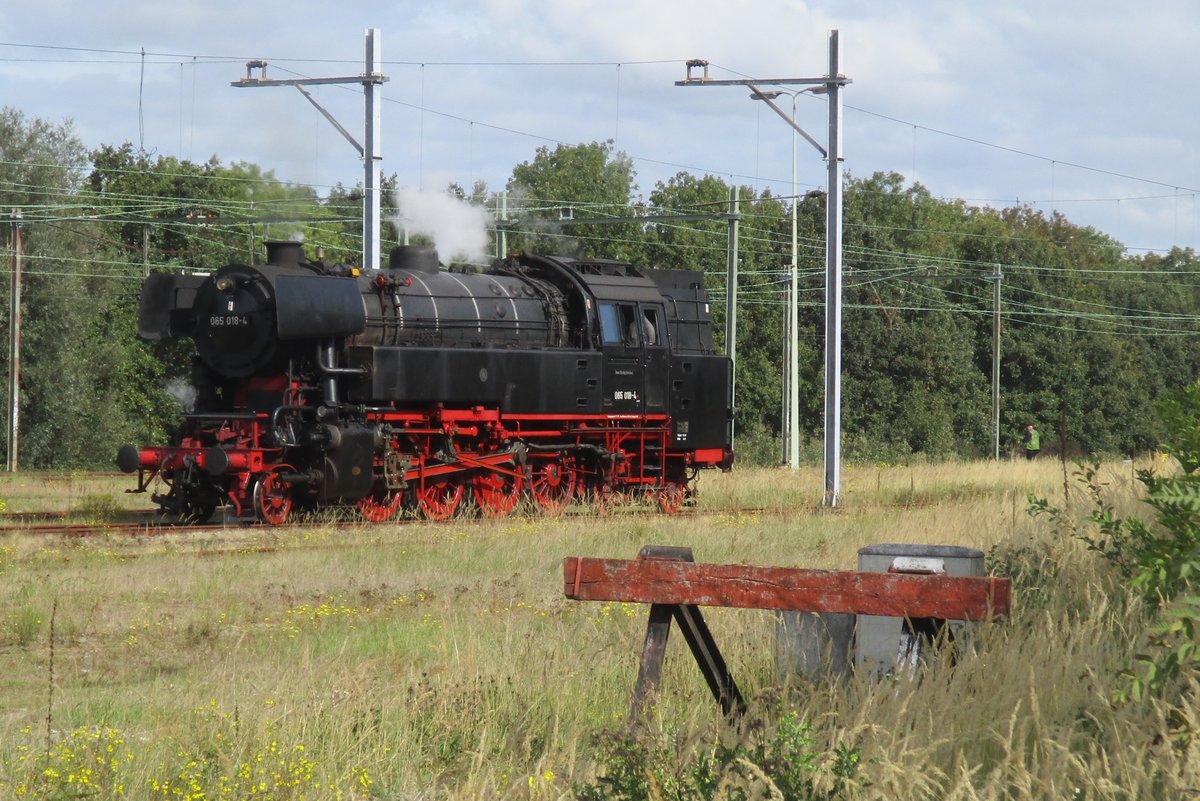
[[831, 85], [371, 151], [793, 317], [784, 394], [731, 284], [370, 80], [14, 348], [502, 232], [833, 285], [996, 278]]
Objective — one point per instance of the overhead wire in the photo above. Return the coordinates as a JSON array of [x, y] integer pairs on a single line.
[[914, 126], [425, 109], [769, 240]]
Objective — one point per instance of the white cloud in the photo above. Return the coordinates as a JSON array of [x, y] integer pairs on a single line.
[[1092, 82]]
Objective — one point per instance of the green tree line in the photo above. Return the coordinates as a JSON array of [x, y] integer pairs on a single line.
[[1091, 335]]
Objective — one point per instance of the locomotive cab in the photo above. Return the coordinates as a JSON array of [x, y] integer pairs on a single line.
[[627, 319], [634, 343]]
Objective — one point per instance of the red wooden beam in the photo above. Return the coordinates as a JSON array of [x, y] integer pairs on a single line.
[[662, 581]]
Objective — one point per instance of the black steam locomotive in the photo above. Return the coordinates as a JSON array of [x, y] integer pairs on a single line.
[[544, 377]]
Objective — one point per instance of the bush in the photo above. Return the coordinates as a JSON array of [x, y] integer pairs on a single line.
[[23, 625], [773, 760], [758, 446], [97, 508], [1160, 558]]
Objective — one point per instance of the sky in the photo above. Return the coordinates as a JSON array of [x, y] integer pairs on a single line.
[[1087, 108]]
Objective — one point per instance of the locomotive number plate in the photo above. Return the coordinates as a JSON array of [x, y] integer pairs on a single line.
[[228, 320]]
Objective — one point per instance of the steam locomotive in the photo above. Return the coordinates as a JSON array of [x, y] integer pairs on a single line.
[[547, 378]]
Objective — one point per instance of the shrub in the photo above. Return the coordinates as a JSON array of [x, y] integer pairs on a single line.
[[23, 624], [97, 508], [1160, 558], [778, 760]]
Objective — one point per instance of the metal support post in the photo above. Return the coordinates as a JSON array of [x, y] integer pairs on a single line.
[[371, 79], [831, 85], [371, 153], [731, 283], [996, 278], [502, 228], [14, 347], [790, 414], [793, 317], [833, 285]]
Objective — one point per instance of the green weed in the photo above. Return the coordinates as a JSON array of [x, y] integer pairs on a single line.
[[97, 508], [776, 759], [23, 624]]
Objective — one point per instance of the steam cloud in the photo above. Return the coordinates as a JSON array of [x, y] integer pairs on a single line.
[[458, 229], [183, 392]]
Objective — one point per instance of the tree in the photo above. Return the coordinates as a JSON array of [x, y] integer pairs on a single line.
[[763, 255], [173, 213], [569, 182], [1090, 338], [71, 395]]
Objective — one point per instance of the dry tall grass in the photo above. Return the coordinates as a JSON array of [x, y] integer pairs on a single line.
[[441, 661]]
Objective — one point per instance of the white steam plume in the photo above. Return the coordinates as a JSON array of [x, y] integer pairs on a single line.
[[457, 228], [183, 392]]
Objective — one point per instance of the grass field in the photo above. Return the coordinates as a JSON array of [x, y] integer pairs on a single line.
[[431, 661]]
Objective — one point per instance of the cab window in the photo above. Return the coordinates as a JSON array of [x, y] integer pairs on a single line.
[[620, 324], [651, 329], [610, 328]]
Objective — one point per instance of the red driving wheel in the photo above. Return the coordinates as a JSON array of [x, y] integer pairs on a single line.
[[272, 498], [497, 492], [439, 499]]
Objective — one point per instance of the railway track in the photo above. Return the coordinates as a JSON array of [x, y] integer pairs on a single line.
[[111, 528], [150, 524], [213, 540]]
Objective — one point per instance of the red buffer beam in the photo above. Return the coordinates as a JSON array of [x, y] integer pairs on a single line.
[[660, 581]]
